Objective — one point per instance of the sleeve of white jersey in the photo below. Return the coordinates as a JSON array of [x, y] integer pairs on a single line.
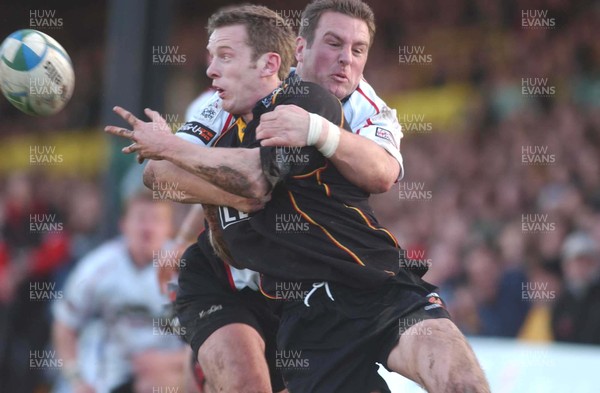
[[79, 302], [205, 121], [385, 130]]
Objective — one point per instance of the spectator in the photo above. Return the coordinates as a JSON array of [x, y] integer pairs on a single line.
[[575, 317]]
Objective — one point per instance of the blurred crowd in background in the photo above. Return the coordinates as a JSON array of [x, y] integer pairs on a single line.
[[509, 222]]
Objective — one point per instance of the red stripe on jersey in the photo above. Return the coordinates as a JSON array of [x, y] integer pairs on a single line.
[[226, 125], [229, 276], [369, 123], [309, 174], [325, 231], [370, 224], [358, 89], [263, 291], [236, 124]]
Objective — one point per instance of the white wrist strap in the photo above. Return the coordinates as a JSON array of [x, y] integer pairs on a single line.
[[314, 129], [314, 132], [332, 141]]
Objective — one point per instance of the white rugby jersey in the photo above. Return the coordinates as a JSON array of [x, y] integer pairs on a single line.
[[366, 113], [107, 292]]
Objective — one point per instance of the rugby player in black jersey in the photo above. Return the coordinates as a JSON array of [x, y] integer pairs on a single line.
[[336, 60], [344, 247]]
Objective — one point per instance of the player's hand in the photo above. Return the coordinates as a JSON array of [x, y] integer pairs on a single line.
[[248, 205], [286, 125], [150, 139]]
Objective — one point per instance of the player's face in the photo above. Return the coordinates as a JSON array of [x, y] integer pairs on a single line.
[[338, 54], [146, 226], [234, 74]]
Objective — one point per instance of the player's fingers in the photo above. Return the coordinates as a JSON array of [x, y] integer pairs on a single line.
[[118, 131], [264, 133], [274, 141], [126, 115], [280, 108], [140, 159], [290, 107], [269, 116], [130, 149], [154, 115]]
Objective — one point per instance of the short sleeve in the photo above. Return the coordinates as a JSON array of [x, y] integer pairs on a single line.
[[385, 130]]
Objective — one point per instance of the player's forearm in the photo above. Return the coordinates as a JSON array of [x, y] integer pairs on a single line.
[[169, 181], [64, 340], [364, 163], [237, 171]]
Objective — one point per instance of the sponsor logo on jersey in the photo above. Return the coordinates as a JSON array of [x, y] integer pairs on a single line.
[[212, 309], [267, 101], [229, 216], [199, 131], [385, 134], [211, 110], [435, 301]]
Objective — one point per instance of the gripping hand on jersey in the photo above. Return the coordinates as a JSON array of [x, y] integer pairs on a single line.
[[286, 125], [150, 139]]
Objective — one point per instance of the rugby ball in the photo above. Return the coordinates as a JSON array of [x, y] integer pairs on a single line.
[[36, 73]]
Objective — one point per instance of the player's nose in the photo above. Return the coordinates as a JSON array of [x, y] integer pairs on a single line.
[[212, 71], [345, 57]]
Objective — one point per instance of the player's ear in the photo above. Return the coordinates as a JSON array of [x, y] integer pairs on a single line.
[[300, 46], [271, 62]]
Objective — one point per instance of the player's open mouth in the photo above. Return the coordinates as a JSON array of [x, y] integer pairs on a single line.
[[220, 91]]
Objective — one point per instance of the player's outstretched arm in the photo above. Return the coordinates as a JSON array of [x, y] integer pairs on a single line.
[[360, 160], [237, 171], [193, 189]]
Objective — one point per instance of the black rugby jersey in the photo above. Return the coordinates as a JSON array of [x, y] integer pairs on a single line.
[[317, 226]]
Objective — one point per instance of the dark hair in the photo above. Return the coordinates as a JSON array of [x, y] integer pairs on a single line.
[[267, 32], [353, 8]]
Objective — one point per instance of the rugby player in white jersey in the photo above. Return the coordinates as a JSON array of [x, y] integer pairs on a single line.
[[114, 292]]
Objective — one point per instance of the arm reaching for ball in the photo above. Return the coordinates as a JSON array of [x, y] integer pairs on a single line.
[[211, 176]]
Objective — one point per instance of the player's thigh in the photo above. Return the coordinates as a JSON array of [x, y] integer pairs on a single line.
[[432, 347]]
